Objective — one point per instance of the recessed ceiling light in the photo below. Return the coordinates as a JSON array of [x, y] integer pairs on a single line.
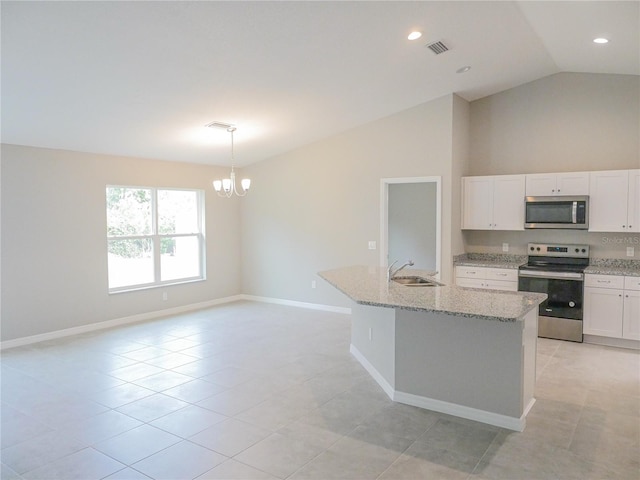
[[414, 35], [600, 40], [463, 69]]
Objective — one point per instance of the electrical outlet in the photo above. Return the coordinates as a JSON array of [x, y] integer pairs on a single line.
[[505, 247], [630, 251], [164, 295], [372, 244], [313, 284]]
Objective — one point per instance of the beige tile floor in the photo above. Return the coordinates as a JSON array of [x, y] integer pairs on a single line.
[[257, 391]]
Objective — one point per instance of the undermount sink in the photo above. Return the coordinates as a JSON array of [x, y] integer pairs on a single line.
[[415, 281]]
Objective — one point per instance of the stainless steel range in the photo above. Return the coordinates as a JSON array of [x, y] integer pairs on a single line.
[[558, 271]]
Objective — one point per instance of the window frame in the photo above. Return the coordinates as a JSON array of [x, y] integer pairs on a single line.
[[156, 239]]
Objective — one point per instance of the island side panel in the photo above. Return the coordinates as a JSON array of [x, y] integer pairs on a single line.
[[373, 342], [472, 362], [530, 350]]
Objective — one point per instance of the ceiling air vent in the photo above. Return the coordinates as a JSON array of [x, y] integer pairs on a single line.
[[226, 126], [437, 47]]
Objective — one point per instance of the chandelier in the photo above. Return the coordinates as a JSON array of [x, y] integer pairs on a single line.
[[227, 186]]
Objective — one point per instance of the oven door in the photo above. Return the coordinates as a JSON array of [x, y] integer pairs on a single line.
[[564, 290]]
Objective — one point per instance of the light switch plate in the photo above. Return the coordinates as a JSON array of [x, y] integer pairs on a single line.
[[372, 244], [630, 251], [505, 247]]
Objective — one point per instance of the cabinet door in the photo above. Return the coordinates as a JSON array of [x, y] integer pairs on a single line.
[[502, 274], [631, 317], [470, 282], [508, 202], [501, 285], [608, 201], [477, 201], [603, 309], [540, 184], [463, 271], [573, 183], [633, 210]]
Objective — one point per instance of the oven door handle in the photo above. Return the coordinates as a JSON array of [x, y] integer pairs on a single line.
[[551, 275]]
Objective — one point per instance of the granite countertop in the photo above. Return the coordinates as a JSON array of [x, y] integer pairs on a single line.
[[602, 266], [608, 266], [489, 260], [369, 286]]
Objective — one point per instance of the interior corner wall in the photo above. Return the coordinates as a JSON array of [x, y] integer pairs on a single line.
[[316, 208], [461, 125], [54, 250]]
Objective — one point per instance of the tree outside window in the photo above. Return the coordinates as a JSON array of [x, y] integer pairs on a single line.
[[154, 236]]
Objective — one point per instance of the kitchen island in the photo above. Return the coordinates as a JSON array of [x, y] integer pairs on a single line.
[[459, 351]]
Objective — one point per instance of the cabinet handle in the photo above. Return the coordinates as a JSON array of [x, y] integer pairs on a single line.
[[603, 281]]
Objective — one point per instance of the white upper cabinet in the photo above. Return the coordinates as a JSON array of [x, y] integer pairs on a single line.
[[493, 202], [633, 205], [614, 204], [551, 184]]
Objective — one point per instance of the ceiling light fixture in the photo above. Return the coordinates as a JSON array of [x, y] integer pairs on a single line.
[[227, 186], [600, 40], [414, 35], [463, 69]]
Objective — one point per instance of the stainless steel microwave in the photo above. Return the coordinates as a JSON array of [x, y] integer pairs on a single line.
[[557, 212]]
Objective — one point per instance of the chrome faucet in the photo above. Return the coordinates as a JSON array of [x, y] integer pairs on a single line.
[[392, 273]]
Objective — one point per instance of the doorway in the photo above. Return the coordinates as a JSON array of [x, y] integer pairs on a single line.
[[410, 224]]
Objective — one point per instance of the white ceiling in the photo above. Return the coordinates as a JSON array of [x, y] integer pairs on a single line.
[[143, 78]]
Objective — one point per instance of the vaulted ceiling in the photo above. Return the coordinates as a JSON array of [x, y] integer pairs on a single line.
[[142, 79]]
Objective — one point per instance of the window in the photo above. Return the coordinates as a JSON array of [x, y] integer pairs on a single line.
[[154, 236]]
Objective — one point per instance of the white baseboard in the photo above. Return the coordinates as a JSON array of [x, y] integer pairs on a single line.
[[293, 303], [116, 322], [503, 421], [377, 376], [22, 341], [490, 418], [612, 342]]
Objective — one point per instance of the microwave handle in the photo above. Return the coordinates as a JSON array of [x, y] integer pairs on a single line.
[[574, 213]]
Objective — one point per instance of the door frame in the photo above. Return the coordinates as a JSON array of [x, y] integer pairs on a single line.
[[384, 215]]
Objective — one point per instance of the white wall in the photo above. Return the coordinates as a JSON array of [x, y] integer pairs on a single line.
[[561, 123], [317, 207], [461, 157], [54, 259]]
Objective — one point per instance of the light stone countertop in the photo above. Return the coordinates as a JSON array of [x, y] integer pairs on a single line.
[[369, 286], [489, 260], [606, 266]]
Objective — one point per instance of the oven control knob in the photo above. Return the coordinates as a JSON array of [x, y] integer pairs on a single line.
[[584, 250], [532, 249], [572, 304], [577, 250], [538, 248]]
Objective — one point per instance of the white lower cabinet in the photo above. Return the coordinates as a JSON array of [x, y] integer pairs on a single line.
[[631, 310], [612, 306], [487, 278]]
